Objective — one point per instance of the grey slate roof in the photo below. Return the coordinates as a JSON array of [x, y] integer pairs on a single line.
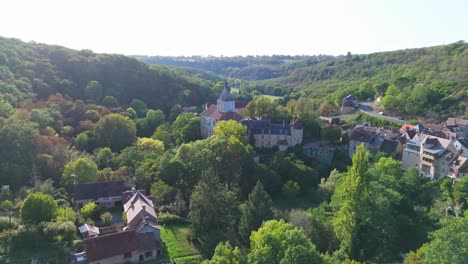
[[225, 95], [94, 190], [257, 127]]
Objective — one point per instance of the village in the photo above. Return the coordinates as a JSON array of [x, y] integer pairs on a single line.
[[436, 151]]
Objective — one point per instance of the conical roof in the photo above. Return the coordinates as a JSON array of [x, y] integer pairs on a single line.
[[225, 95]]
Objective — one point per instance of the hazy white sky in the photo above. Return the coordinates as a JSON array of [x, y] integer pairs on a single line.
[[241, 27]]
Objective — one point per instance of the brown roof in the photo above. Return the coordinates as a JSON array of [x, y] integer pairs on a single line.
[[94, 190], [452, 121], [361, 135], [434, 127], [210, 110], [114, 244]]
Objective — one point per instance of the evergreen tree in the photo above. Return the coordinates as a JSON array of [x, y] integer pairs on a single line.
[[212, 211], [348, 200], [257, 209]]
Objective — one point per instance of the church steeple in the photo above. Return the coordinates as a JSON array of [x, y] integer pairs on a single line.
[[225, 103]]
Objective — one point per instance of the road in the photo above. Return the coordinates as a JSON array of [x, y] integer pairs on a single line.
[[365, 108]]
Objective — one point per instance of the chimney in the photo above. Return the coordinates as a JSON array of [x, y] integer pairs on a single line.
[[144, 208]]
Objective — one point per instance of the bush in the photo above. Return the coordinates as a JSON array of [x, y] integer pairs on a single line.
[[5, 224], [168, 218], [90, 210], [53, 231]]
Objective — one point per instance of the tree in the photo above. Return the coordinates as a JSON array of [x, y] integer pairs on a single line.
[[149, 144], [448, 244], [16, 154], [65, 214], [225, 254], [231, 128], [257, 209], [81, 170], [163, 133], [139, 106], [38, 207], [104, 157], [331, 133], [82, 141], [213, 210], [8, 206], [6, 109], [280, 242], [90, 210], [163, 193], [110, 101], [348, 202], [186, 128], [106, 218], [291, 189], [94, 91], [147, 125], [115, 131]]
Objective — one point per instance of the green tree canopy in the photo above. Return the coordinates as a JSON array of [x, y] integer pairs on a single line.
[[213, 210], [257, 210], [280, 242], [115, 131], [83, 169], [38, 207], [231, 128]]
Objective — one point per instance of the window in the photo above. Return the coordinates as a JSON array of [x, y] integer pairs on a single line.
[[148, 254], [127, 255]]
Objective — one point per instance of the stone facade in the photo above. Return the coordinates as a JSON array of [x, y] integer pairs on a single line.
[[263, 134], [434, 157]]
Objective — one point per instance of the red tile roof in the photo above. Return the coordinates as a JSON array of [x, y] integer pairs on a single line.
[[114, 244], [405, 127]]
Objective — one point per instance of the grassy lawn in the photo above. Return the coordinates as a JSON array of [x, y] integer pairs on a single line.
[[45, 254], [177, 245], [348, 117], [271, 97]]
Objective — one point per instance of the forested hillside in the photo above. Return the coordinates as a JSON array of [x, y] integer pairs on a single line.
[[426, 82], [46, 70]]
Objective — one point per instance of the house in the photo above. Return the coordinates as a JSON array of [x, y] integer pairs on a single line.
[[224, 109], [458, 126], [348, 104], [141, 215], [139, 240], [263, 134], [122, 247], [434, 157], [375, 140], [106, 194], [322, 151]]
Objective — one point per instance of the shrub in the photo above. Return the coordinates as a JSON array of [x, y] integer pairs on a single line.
[[168, 218]]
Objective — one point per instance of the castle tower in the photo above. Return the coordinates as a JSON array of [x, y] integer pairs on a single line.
[[225, 103], [297, 132]]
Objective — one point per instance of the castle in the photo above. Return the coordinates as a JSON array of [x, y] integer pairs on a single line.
[[262, 132]]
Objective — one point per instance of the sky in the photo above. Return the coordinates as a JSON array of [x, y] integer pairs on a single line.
[[241, 27]]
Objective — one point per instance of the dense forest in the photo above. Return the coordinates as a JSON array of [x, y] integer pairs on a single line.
[[70, 116], [426, 82]]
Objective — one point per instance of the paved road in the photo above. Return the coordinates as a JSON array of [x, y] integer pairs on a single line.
[[365, 108]]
